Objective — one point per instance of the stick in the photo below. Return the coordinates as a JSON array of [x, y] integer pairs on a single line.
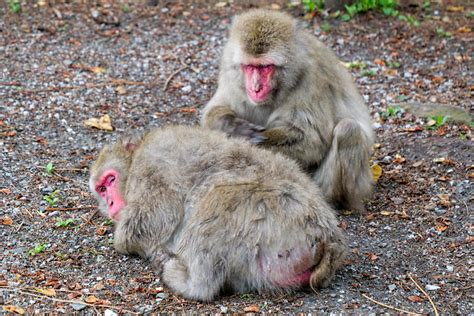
[[64, 301], [52, 209], [388, 306], [426, 294], [172, 75]]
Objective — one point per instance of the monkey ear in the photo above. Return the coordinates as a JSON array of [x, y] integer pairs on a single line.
[[132, 141]]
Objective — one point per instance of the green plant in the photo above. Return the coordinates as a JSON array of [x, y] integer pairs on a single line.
[[246, 296], [125, 8], [50, 168], [52, 198], [368, 72], [14, 5], [388, 7], [393, 64], [37, 249], [64, 223], [393, 111], [437, 121], [409, 19], [326, 27], [427, 5], [357, 65], [311, 5], [470, 14], [442, 33], [108, 222]]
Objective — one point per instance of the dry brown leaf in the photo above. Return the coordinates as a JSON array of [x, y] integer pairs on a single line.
[[376, 172], [379, 62], [386, 213], [403, 214], [441, 227], [97, 70], [275, 6], [437, 79], [3, 283], [452, 8], [13, 309], [391, 72], [372, 256], [415, 298], [121, 90], [10, 133], [101, 231], [91, 299], [47, 292], [343, 225], [417, 164], [188, 110], [252, 309], [399, 159], [103, 123], [464, 29], [7, 221]]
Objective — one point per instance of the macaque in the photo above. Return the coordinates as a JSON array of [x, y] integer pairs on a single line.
[[282, 89], [217, 213]]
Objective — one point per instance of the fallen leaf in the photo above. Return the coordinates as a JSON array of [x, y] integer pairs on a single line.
[[343, 225], [376, 172], [431, 122], [220, 4], [6, 191], [391, 72], [13, 309], [99, 286], [471, 175], [403, 214], [379, 62], [464, 29], [47, 292], [103, 123], [415, 298], [3, 283], [11, 133], [386, 213], [97, 70], [188, 110], [72, 296], [91, 299], [417, 164], [252, 309], [7, 221], [452, 8], [399, 159], [121, 90], [439, 160], [275, 6], [101, 231], [437, 79], [413, 129], [441, 227], [377, 146], [372, 256]]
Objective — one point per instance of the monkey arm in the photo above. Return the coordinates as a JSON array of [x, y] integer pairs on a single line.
[[282, 136], [223, 118]]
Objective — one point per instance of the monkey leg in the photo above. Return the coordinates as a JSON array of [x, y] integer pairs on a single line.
[[344, 176], [200, 280]]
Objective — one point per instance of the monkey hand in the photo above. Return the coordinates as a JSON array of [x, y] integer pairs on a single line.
[[247, 130], [159, 259]]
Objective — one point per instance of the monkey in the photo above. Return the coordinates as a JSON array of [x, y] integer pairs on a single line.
[[217, 214], [282, 89]]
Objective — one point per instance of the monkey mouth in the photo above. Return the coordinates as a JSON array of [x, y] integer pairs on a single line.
[[260, 96]]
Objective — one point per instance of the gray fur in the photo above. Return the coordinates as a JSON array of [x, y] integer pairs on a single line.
[[313, 94], [218, 213]]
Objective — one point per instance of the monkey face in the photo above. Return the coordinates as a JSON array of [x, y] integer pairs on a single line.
[[258, 81], [107, 187]]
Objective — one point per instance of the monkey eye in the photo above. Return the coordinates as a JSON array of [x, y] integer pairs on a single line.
[[109, 180]]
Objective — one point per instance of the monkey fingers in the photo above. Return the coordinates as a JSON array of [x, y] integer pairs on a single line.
[[248, 130]]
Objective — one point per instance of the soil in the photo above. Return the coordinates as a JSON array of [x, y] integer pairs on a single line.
[[147, 66]]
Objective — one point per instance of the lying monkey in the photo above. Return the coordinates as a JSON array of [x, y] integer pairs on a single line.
[[217, 213]]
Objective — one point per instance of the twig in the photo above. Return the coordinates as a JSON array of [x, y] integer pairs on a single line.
[[19, 227], [388, 306], [64, 301], [13, 83], [172, 75], [426, 294], [81, 207]]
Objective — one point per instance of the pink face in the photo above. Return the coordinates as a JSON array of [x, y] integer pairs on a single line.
[[108, 188], [258, 84]]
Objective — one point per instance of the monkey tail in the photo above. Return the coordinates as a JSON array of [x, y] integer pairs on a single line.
[[328, 259]]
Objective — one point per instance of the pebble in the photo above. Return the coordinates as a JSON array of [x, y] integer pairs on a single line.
[[430, 287], [224, 309], [392, 287], [109, 312], [78, 306], [162, 295], [450, 268]]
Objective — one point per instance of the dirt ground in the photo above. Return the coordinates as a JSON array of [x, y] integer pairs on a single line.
[[145, 66]]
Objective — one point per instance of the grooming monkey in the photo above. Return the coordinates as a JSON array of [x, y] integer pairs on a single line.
[[283, 89], [217, 213]]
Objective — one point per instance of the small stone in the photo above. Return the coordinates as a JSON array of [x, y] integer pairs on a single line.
[[392, 287], [78, 306], [224, 309], [430, 287], [186, 89], [109, 312], [450, 268], [162, 295]]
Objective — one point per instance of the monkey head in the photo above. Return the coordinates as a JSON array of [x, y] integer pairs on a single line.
[[262, 43], [108, 176]]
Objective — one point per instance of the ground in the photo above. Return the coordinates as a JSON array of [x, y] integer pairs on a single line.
[[146, 65]]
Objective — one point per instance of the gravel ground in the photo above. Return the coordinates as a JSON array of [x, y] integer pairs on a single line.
[[150, 66]]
